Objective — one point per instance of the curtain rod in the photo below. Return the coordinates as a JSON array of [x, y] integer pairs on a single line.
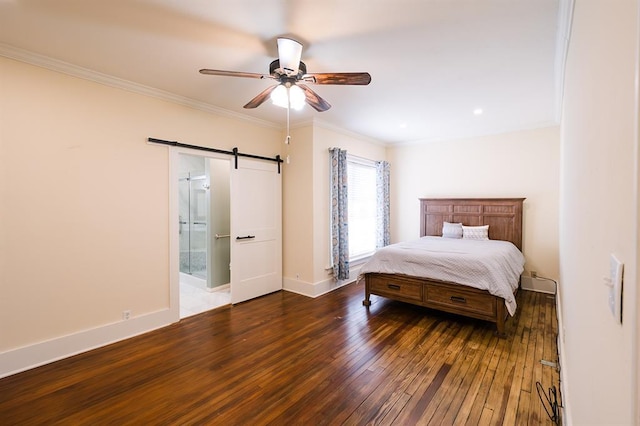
[[356, 157], [235, 152]]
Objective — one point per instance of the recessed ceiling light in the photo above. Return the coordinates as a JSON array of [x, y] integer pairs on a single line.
[[477, 111], [403, 125]]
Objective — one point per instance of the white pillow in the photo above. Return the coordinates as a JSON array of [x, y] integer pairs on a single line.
[[475, 232], [451, 230]]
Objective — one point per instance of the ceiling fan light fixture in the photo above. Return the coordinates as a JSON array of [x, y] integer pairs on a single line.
[[289, 52], [296, 97], [279, 96], [286, 97]]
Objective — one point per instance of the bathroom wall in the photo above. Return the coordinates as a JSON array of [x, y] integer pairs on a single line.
[[219, 248]]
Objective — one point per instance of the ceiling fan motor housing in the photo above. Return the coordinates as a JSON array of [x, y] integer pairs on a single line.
[[278, 73]]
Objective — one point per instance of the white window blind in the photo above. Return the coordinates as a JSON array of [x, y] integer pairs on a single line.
[[362, 207]]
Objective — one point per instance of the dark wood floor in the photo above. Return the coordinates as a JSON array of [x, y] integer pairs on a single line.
[[287, 359]]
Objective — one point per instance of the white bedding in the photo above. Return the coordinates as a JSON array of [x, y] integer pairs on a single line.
[[491, 265]]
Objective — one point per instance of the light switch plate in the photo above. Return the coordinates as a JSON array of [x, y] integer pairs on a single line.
[[615, 291]]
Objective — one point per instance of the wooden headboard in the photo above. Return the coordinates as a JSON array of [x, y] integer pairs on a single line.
[[503, 215]]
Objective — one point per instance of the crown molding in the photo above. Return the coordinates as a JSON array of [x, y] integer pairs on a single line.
[[316, 122], [327, 126], [488, 133], [302, 123], [56, 65]]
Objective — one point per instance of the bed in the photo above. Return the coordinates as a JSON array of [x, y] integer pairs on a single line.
[[449, 293]]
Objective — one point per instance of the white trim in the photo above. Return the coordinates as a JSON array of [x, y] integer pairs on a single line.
[[297, 286], [540, 285], [319, 288], [513, 129], [565, 18], [635, 316], [174, 234], [564, 379], [360, 260], [22, 359], [367, 162], [307, 289], [108, 80], [223, 287], [324, 125]]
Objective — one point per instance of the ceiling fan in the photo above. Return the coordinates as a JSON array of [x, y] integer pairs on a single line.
[[291, 74]]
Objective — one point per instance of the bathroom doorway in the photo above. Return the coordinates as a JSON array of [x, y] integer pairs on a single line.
[[203, 229]]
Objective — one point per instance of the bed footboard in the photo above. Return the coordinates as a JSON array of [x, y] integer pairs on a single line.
[[440, 295]]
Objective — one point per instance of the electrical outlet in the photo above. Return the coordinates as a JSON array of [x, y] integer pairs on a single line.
[[126, 315], [534, 274]]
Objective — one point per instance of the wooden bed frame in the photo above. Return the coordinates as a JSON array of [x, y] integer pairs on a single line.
[[504, 217]]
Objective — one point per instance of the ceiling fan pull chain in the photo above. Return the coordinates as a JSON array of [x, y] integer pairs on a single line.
[[287, 140]]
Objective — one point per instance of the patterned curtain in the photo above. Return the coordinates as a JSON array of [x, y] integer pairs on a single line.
[[382, 184], [339, 214]]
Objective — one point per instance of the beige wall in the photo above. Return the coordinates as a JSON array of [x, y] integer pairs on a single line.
[[297, 212], [598, 213], [84, 219], [306, 203], [324, 139], [518, 164]]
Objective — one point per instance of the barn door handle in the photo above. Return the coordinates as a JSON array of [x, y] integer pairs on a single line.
[[248, 237], [458, 299]]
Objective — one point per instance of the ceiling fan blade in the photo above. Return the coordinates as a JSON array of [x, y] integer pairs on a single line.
[[353, 78], [233, 73], [314, 99], [262, 96], [289, 53]]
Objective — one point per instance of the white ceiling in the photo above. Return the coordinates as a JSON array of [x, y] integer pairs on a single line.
[[432, 62]]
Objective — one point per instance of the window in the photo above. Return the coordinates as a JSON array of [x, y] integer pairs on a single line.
[[362, 207]]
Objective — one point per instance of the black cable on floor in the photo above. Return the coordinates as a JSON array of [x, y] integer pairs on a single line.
[[551, 400]]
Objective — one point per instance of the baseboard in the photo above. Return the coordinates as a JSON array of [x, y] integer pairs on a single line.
[[25, 358], [319, 288], [312, 289], [223, 287], [564, 394], [28, 357], [541, 285], [297, 286]]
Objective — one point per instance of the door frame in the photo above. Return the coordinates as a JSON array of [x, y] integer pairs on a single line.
[[174, 237]]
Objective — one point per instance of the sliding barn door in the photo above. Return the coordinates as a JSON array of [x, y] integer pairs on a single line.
[[256, 229]]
